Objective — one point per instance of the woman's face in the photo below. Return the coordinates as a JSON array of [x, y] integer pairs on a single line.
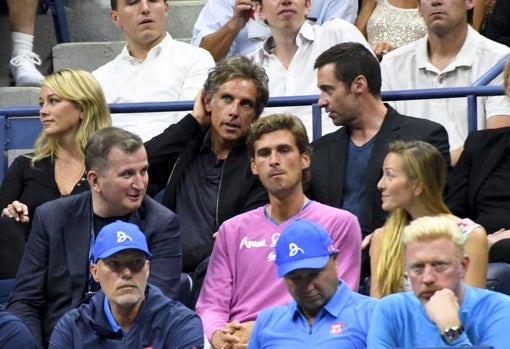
[[397, 189], [59, 117]]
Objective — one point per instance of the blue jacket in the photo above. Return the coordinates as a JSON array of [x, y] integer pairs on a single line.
[[161, 323]]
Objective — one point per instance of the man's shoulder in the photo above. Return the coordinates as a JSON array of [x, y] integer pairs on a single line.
[[488, 135], [333, 219], [185, 50], [495, 50], [244, 219], [481, 298], [407, 121], [398, 302], [152, 207], [330, 138], [276, 313]]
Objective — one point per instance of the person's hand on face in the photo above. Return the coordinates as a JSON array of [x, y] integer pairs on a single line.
[[443, 309]]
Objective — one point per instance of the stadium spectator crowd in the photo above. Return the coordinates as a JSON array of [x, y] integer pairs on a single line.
[[287, 242]]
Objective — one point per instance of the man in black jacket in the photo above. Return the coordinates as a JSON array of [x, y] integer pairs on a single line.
[[202, 160], [53, 276], [347, 164]]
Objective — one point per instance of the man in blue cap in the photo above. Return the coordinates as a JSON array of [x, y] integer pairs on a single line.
[[324, 312], [127, 312]]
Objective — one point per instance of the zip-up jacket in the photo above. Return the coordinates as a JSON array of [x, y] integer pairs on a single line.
[[161, 323], [239, 190]]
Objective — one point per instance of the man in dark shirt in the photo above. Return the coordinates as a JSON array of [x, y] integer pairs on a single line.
[[202, 160], [347, 164]]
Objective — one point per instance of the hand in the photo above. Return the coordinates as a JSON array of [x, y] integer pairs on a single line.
[[243, 332], [381, 48], [443, 309], [497, 236], [17, 211], [199, 112], [366, 241], [241, 13], [234, 336], [224, 338]]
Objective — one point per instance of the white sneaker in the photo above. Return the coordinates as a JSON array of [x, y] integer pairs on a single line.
[[23, 70]]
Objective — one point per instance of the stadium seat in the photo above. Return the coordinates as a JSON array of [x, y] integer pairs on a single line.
[[498, 277], [186, 290]]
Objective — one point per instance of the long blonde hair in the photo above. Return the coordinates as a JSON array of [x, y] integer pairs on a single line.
[[423, 163], [82, 88]]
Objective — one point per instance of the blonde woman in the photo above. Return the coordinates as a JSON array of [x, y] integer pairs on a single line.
[[73, 107], [414, 176]]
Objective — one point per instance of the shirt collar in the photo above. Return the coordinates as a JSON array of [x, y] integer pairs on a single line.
[[111, 319], [306, 33], [155, 51], [465, 57], [333, 307], [206, 143]]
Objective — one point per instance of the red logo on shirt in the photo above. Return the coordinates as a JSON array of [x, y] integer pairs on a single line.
[[336, 328], [148, 347]]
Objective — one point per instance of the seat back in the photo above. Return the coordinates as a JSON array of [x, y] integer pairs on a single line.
[[498, 277], [186, 290]]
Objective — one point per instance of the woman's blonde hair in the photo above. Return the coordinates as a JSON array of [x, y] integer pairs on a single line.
[[424, 164], [506, 75], [81, 88]]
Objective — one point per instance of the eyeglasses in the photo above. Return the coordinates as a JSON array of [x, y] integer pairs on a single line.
[[419, 268], [135, 265]]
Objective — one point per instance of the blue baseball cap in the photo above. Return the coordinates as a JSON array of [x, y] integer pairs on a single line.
[[303, 244], [119, 236]]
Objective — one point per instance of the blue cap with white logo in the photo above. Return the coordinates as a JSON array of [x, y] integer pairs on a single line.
[[119, 236], [303, 244]]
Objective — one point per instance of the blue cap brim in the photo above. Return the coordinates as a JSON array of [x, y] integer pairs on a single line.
[[112, 251], [307, 263]]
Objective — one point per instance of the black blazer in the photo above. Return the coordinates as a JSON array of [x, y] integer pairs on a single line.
[[53, 274], [483, 152], [329, 158]]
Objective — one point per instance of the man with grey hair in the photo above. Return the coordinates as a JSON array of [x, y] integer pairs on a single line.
[[53, 275], [203, 162], [440, 310], [128, 311]]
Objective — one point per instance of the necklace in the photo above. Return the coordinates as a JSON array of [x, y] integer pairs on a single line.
[[269, 210]]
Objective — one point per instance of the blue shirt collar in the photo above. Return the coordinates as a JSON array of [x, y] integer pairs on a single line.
[[111, 319]]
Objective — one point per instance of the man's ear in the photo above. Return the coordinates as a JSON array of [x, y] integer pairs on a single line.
[[253, 167], [208, 103], [94, 272], [359, 84], [114, 16], [93, 179], [305, 160]]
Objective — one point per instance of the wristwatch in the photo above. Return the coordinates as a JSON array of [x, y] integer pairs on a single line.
[[451, 334]]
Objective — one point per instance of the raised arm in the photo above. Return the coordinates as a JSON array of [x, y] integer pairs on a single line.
[[218, 43]]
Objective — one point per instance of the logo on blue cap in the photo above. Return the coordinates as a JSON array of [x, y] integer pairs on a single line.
[[119, 236], [303, 244]]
